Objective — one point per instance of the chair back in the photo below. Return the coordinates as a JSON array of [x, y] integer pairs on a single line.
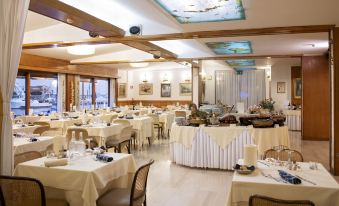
[[126, 133], [42, 123], [258, 200], [180, 114], [283, 155], [138, 192], [26, 156], [77, 134], [280, 147], [21, 191], [155, 118], [122, 122], [41, 129]]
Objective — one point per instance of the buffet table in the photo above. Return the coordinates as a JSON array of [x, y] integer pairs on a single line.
[[293, 119], [220, 147], [324, 192]]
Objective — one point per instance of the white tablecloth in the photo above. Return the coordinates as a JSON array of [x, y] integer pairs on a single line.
[[326, 192], [26, 129], [220, 147], [144, 127], [63, 123], [293, 119], [83, 180], [28, 118], [101, 132], [21, 144]]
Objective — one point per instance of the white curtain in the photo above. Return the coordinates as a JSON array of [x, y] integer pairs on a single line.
[[248, 87], [61, 92], [77, 91], [12, 23]]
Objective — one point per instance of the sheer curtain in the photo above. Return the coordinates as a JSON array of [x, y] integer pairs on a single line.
[[12, 24], [112, 93], [248, 87], [61, 92]]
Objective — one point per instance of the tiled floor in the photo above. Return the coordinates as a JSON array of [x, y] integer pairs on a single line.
[[170, 184]]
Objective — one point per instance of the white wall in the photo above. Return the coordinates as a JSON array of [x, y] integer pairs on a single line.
[[155, 75], [281, 72]]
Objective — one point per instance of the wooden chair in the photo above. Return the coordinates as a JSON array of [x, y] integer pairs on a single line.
[[180, 114], [24, 191], [127, 123], [283, 156], [135, 196], [157, 124], [44, 127], [118, 142], [26, 156], [77, 136], [258, 200]]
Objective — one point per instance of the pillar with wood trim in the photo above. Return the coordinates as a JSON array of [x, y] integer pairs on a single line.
[[335, 101]]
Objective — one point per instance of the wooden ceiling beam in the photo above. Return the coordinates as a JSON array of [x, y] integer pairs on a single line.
[[67, 14], [63, 12], [189, 35], [190, 60]]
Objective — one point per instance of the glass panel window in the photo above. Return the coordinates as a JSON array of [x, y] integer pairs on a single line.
[[85, 93], [18, 103], [101, 92], [44, 94]]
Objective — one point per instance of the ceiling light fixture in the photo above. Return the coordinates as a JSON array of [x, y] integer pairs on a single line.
[[81, 50], [139, 64]]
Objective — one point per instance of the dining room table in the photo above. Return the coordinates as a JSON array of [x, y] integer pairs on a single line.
[[24, 144], [23, 128], [317, 184], [101, 131], [82, 180], [167, 119], [144, 128], [62, 123]]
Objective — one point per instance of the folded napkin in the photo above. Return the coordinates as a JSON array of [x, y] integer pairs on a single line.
[[104, 158], [56, 162], [289, 178]]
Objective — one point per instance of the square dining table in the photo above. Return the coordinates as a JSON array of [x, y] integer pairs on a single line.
[[82, 181], [318, 185]]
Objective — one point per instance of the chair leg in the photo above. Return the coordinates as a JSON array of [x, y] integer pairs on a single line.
[[149, 141], [129, 147], [159, 133], [145, 204]]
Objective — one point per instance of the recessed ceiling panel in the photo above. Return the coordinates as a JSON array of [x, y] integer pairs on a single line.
[[196, 11], [231, 47], [244, 69], [241, 62]]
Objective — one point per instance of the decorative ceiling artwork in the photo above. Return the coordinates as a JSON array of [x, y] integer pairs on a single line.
[[231, 47], [241, 62], [197, 11]]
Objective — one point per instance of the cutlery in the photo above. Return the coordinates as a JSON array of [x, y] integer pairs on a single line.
[[306, 180], [264, 163], [274, 178]]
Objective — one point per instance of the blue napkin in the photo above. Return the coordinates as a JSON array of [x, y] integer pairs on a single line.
[[104, 158], [289, 178]]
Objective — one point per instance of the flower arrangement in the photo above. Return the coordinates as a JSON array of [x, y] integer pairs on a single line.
[[267, 104], [254, 109]]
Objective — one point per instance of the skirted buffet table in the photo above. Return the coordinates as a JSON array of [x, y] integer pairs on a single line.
[[220, 147]]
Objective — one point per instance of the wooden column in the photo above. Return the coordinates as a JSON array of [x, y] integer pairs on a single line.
[[28, 92], [335, 102], [116, 87], [93, 92], [70, 91]]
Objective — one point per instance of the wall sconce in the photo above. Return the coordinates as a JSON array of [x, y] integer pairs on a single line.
[[165, 78], [144, 80]]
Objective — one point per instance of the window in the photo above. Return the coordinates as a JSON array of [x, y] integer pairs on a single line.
[[18, 102], [101, 93], [44, 93], [85, 93]]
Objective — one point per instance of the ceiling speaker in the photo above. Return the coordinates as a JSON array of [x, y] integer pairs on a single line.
[[135, 30]]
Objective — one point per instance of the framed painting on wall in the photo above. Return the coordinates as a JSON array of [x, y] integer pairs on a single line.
[[185, 89], [165, 90], [145, 89], [281, 87], [297, 84], [122, 90]]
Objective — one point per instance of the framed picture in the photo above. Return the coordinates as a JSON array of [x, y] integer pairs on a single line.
[[122, 90], [145, 89], [185, 89], [281, 87], [165, 90], [297, 88]]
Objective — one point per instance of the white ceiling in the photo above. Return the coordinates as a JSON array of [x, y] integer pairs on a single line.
[[154, 20]]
